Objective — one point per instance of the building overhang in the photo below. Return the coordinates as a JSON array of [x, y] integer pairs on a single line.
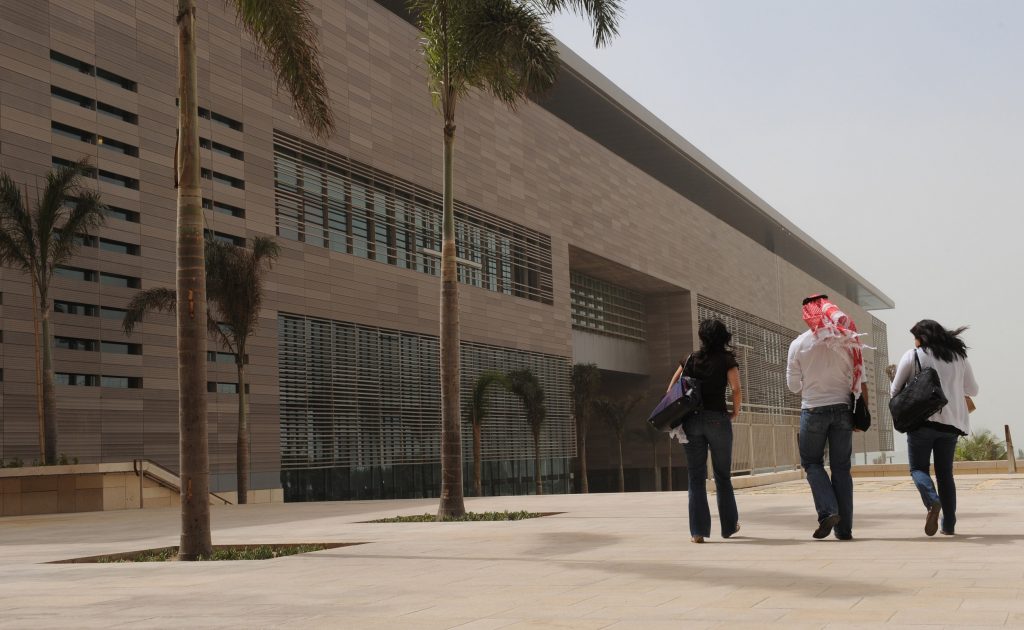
[[589, 102]]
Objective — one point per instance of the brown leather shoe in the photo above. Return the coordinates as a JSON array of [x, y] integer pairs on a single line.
[[931, 522]]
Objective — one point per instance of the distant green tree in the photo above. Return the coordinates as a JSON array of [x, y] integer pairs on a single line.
[[980, 447], [524, 384], [617, 414], [586, 380], [479, 405]]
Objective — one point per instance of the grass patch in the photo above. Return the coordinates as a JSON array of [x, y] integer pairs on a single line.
[[220, 552], [468, 516]]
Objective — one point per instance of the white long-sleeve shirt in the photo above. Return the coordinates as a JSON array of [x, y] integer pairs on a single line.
[[956, 377], [818, 373]]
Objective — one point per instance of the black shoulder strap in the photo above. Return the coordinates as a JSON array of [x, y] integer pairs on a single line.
[[917, 360], [686, 363]]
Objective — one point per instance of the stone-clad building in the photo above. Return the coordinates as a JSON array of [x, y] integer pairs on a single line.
[[588, 231]]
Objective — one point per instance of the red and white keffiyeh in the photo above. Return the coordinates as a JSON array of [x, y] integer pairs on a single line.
[[836, 330]]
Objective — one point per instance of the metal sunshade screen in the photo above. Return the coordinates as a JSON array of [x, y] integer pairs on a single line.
[[880, 399], [363, 396], [607, 309], [328, 200], [765, 434]]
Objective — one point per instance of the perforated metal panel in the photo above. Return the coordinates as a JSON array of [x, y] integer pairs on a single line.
[[765, 434], [328, 200], [362, 396], [607, 309]]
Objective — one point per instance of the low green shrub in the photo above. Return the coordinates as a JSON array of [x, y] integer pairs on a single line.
[[468, 516]]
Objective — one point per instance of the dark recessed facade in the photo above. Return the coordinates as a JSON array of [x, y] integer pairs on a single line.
[[588, 231]]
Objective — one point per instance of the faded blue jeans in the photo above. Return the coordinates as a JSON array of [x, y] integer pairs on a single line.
[[921, 443], [710, 431], [830, 426]]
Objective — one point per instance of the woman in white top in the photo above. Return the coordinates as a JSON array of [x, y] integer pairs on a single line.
[[943, 350]]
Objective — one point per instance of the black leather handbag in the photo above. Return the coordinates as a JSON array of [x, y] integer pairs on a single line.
[[920, 399], [861, 413]]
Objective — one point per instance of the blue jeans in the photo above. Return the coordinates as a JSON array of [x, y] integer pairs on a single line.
[[832, 426], [710, 430], [920, 446]]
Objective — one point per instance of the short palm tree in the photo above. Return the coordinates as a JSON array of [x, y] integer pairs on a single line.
[[980, 447], [479, 406], [524, 384], [284, 34], [586, 380], [234, 281], [502, 47], [617, 414], [37, 241]]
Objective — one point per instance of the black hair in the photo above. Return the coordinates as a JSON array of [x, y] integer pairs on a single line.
[[714, 337], [943, 344], [813, 298]]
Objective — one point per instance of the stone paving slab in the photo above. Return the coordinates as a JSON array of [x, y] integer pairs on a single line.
[[607, 561]]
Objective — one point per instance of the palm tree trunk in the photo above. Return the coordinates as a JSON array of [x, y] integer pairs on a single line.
[[669, 480], [622, 472], [477, 465], [452, 504], [536, 462], [581, 457], [39, 370], [191, 307], [654, 468], [49, 394], [242, 446]]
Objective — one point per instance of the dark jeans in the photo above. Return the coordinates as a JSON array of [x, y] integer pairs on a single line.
[[831, 426], [920, 446], [710, 431]]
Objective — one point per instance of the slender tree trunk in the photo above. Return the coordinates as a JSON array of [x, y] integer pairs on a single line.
[[452, 503], [191, 306], [477, 465], [655, 468], [581, 455], [669, 480], [622, 472], [242, 446], [49, 395], [39, 370], [536, 462]]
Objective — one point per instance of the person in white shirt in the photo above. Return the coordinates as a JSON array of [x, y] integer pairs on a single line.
[[945, 352], [825, 366]]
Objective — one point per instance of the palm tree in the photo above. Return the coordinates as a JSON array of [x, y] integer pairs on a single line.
[[478, 408], [234, 280], [502, 47], [617, 414], [285, 35], [525, 385], [653, 437], [668, 482], [980, 447], [586, 379], [37, 241]]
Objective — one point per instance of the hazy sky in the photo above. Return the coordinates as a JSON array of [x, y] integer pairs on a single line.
[[890, 131]]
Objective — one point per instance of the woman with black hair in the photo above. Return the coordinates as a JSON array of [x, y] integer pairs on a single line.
[[944, 351], [711, 429]]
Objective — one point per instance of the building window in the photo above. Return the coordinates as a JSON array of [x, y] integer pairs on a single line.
[[223, 149], [121, 382], [221, 357], [107, 312], [91, 70], [118, 247], [327, 200], [117, 347], [224, 388], [72, 343], [121, 214], [75, 273], [607, 309], [234, 182], [223, 237], [88, 103], [77, 380], [75, 308], [117, 280], [224, 208]]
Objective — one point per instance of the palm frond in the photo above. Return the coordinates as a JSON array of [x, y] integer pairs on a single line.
[[603, 15], [616, 412], [87, 215], [524, 384], [507, 48], [17, 238], [286, 36], [159, 299], [479, 402]]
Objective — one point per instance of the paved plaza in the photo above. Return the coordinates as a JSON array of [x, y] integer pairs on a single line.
[[606, 561]]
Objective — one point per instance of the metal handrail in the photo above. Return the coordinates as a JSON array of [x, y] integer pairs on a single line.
[[144, 464]]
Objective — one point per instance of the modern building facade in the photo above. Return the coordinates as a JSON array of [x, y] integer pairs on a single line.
[[588, 231]]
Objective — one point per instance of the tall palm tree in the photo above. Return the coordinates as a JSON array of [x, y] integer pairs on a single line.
[[234, 281], [617, 414], [478, 407], [285, 35], [525, 385], [501, 47], [37, 241], [586, 380]]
